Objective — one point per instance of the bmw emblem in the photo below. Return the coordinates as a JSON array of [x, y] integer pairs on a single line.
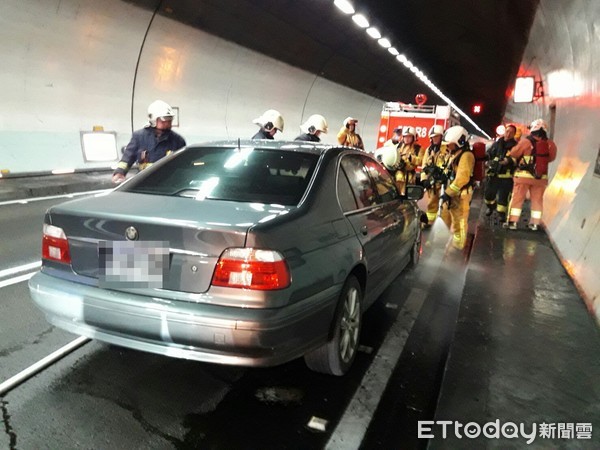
[[131, 234]]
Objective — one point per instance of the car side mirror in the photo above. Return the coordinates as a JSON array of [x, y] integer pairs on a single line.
[[414, 192]]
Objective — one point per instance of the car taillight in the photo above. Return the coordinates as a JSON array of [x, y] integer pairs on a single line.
[[55, 246], [251, 269]]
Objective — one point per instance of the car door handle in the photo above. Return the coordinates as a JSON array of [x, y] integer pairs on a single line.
[[364, 230]]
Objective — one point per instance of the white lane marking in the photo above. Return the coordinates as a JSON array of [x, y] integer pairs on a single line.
[[42, 364], [16, 280], [19, 269], [24, 201], [352, 427]]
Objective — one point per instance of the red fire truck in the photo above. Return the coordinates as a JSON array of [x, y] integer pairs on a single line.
[[422, 117]]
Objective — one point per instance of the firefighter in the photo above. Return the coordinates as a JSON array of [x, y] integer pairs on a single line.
[[152, 142], [348, 135], [531, 157], [270, 122], [456, 198], [433, 177], [411, 156], [312, 128], [499, 182]]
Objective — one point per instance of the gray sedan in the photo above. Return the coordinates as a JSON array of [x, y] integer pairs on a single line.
[[248, 253]]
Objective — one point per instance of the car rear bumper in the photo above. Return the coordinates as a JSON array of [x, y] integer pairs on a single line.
[[197, 331]]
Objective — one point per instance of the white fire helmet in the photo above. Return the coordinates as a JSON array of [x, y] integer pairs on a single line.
[[456, 135], [409, 131], [158, 109], [314, 123], [436, 130], [270, 119], [538, 124], [388, 156], [350, 120]]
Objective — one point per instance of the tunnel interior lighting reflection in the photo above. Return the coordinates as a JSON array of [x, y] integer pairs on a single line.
[[564, 84], [360, 20], [344, 6]]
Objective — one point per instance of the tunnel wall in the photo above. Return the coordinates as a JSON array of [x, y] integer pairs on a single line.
[[563, 45], [70, 65]]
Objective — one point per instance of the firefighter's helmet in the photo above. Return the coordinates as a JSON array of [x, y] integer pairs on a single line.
[[409, 131], [538, 124], [350, 121], [270, 119], [456, 135], [316, 122], [388, 156], [436, 130], [159, 109]]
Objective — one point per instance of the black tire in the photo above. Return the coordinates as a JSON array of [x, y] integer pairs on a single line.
[[415, 252], [336, 356]]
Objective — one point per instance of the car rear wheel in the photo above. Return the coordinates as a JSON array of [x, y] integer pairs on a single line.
[[336, 356]]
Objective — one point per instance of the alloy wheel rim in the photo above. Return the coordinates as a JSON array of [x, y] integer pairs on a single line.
[[349, 326]]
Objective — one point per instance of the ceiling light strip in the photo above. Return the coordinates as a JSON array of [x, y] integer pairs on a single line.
[[362, 21]]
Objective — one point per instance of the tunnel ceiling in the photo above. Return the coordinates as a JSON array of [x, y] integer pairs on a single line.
[[470, 49]]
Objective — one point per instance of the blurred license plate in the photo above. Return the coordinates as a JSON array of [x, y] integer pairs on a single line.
[[133, 264]]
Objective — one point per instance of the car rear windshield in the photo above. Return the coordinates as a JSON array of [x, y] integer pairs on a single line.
[[244, 174]]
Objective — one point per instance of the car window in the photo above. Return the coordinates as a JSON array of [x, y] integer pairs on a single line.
[[386, 188], [344, 192], [244, 174], [360, 182]]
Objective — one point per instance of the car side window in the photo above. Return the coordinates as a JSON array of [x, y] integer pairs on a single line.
[[361, 184], [344, 192], [386, 188]]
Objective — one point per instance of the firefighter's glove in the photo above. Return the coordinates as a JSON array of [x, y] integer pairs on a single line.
[[118, 178], [446, 199]]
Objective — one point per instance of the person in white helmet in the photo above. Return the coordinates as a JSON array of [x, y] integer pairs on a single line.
[[270, 122], [411, 157], [531, 157], [152, 142], [456, 198], [499, 182], [433, 177], [348, 136], [312, 128]]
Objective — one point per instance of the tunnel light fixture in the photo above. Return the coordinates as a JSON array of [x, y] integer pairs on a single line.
[[374, 33], [524, 89], [393, 51], [385, 43], [360, 20], [345, 6], [401, 58]]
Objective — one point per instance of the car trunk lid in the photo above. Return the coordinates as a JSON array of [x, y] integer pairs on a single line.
[[192, 234]]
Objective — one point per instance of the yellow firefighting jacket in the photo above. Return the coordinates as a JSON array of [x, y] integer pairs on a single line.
[[350, 138], [461, 172]]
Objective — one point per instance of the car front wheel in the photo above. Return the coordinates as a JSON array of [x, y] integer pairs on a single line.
[[336, 356]]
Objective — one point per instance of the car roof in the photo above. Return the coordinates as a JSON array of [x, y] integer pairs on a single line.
[[316, 148]]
